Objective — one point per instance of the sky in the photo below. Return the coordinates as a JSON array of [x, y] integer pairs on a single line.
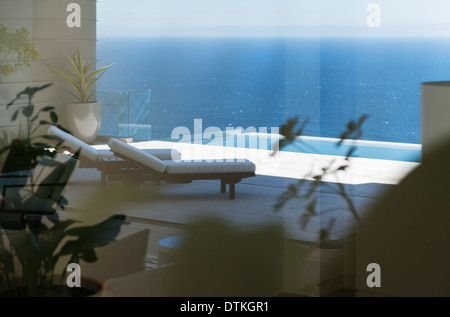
[[273, 17]]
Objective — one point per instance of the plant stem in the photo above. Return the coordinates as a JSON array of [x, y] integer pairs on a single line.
[[350, 204]]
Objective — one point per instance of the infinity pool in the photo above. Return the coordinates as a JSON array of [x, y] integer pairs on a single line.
[[325, 146]]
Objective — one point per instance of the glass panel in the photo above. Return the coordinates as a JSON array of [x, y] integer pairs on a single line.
[[126, 114], [258, 63]]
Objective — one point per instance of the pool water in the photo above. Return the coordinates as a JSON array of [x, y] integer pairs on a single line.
[[325, 146]]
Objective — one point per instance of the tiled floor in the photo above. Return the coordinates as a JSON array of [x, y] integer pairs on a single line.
[[170, 208]]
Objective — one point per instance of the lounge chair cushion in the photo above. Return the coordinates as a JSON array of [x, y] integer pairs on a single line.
[[162, 154], [137, 155], [95, 155], [208, 167], [75, 144]]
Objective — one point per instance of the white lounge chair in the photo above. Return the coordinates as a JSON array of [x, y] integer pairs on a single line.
[[105, 161], [148, 166]]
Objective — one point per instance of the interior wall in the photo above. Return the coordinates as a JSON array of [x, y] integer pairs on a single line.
[[46, 20]]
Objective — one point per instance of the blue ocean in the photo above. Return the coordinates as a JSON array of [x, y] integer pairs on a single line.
[[261, 82]]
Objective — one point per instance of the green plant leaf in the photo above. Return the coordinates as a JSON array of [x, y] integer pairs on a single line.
[[42, 87], [27, 111], [44, 122], [27, 253], [48, 108], [51, 238], [16, 50], [14, 115], [77, 97], [89, 256], [41, 145], [311, 207], [52, 138], [62, 72], [350, 152], [77, 67], [63, 202], [80, 63], [324, 235], [92, 78], [31, 91], [62, 128], [6, 258], [53, 117], [362, 119], [91, 237], [90, 96], [304, 220], [81, 79], [11, 103]]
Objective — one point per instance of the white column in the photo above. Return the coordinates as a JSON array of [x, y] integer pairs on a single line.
[[46, 22], [435, 114]]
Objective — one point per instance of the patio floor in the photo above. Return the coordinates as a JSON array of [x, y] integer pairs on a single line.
[[169, 209]]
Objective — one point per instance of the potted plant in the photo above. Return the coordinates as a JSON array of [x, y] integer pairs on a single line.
[[29, 256], [319, 269], [32, 246], [84, 116], [16, 51]]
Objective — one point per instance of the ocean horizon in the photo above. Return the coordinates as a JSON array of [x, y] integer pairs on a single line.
[[262, 82]]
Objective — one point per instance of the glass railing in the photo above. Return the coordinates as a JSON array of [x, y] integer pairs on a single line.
[[126, 114]]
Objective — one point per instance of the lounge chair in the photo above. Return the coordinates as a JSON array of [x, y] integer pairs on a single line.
[[148, 167], [105, 161], [40, 192]]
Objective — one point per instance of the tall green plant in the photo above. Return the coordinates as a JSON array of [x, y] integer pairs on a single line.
[[82, 78], [28, 257], [32, 245], [307, 189], [16, 50], [24, 153]]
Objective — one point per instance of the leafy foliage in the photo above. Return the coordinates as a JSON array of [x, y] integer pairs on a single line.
[[82, 78], [32, 245], [307, 189], [38, 248], [16, 50], [24, 153]]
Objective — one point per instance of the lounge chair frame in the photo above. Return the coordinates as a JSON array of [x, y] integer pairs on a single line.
[[106, 164], [138, 173]]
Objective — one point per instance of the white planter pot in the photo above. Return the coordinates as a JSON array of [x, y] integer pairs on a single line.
[[83, 120]]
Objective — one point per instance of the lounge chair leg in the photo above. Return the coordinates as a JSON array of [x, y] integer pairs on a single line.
[[223, 187], [232, 191]]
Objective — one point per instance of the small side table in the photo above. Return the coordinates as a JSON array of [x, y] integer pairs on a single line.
[[168, 249]]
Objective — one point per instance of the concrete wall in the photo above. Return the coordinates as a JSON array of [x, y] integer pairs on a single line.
[[46, 21]]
